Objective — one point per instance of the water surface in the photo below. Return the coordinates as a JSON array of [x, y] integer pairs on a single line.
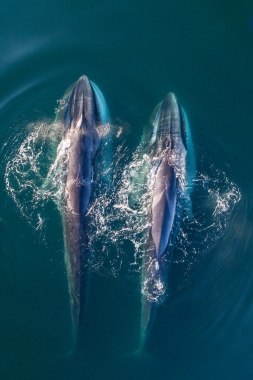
[[136, 52]]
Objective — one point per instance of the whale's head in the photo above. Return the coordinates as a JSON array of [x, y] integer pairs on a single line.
[[168, 124], [82, 107]]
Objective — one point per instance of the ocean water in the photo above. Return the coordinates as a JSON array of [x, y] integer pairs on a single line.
[[136, 52]]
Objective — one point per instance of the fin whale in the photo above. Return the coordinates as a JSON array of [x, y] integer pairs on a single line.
[[85, 116], [170, 142]]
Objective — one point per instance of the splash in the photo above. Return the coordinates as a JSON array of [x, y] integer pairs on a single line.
[[27, 166], [35, 173], [123, 219]]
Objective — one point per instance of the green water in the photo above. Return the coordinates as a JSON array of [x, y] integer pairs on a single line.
[[136, 52]]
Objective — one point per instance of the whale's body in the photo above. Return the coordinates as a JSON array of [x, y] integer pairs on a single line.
[[171, 142], [85, 115]]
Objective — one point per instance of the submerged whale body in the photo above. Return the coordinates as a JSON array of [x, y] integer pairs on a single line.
[[170, 142], [84, 119]]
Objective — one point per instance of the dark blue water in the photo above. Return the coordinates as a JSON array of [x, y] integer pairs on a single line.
[[136, 52]]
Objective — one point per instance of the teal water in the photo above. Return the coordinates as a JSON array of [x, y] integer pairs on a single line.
[[136, 52]]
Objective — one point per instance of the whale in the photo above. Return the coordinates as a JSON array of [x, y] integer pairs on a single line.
[[83, 121], [170, 146]]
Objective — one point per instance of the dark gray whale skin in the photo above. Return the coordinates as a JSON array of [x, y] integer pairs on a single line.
[[81, 122], [169, 137]]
